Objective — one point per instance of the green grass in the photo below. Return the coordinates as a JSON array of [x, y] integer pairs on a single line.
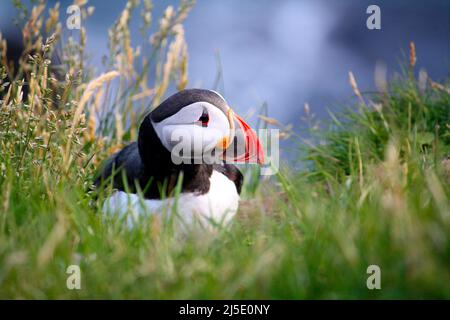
[[376, 191]]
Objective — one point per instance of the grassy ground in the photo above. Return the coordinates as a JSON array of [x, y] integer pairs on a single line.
[[376, 191]]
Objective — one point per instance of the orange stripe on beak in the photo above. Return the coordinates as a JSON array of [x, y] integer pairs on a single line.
[[254, 152], [251, 153]]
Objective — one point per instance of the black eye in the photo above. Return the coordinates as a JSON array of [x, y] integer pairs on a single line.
[[204, 118]]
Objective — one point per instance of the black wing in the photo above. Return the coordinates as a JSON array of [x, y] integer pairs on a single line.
[[127, 161]]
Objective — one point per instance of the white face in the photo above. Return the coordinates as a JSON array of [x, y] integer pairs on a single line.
[[197, 128]]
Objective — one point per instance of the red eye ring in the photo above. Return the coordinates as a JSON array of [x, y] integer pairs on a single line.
[[204, 118]]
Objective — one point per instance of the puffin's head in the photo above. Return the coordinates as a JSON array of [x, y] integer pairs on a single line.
[[196, 123]]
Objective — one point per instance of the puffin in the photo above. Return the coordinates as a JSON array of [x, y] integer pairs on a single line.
[[183, 162]]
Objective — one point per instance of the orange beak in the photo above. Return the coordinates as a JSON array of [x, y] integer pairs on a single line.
[[252, 151]]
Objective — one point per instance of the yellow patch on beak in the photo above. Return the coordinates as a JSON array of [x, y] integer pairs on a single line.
[[223, 143], [230, 119]]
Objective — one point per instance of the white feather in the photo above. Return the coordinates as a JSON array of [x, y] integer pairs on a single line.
[[182, 128], [217, 207]]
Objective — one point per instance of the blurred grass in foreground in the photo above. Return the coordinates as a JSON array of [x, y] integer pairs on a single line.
[[376, 192]]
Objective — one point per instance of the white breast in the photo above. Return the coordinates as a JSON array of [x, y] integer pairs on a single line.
[[217, 207]]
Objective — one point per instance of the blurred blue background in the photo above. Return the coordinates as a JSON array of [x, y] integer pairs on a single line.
[[290, 52]]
